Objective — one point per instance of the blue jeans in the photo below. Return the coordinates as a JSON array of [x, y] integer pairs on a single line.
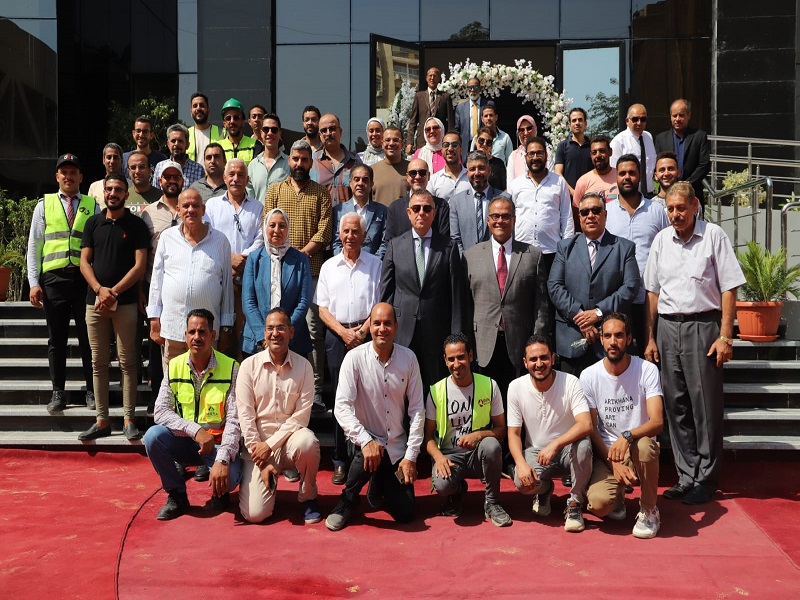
[[164, 449]]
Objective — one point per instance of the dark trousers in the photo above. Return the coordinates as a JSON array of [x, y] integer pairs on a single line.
[[65, 299], [576, 364], [335, 351], [500, 367], [398, 497], [637, 325]]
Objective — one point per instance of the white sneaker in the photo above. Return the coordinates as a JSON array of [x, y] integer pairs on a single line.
[[618, 514], [648, 522], [541, 503], [574, 517]]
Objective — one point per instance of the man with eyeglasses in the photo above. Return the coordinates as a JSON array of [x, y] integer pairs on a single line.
[[143, 135], [202, 132], [635, 140], [177, 136], [397, 221], [333, 163], [452, 179], [468, 209], [497, 169], [423, 279], [235, 143], [272, 165], [113, 260], [140, 174], [593, 274], [238, 217], [429, 103], [213, 184], [544, 207], [468, 116], [573, 155], [390, 173]]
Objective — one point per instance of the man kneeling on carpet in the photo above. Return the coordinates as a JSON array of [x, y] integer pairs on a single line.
[[627, 408], [274, 395], [464, 426], [196, 422]]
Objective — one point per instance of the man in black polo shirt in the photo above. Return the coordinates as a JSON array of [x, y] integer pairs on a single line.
[[113, 260], [573, 155]]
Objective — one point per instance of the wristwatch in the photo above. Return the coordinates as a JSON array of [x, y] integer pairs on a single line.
[[627, 435], [599, 313], [224, 462]]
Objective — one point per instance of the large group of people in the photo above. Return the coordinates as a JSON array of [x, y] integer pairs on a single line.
[[504, 311]]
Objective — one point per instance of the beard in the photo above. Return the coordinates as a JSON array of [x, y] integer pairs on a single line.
[[299, 174]]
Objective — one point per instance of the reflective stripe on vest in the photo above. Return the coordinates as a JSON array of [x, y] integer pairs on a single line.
[[62, 246], [192, 151], [244, 150], [207, 410], [481, 404]]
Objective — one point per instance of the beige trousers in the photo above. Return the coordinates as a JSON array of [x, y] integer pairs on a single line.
[[605, 492]]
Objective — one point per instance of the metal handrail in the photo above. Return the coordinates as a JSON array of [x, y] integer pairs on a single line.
[[716, 195], [785, 228]]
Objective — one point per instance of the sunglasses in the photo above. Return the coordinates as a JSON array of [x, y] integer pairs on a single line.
[[595, 210], [271, 129], [434, 128], [421, 172], [483, 141], [525, 129], [473, 88], [451, 144], [426, 208], [637, 119]]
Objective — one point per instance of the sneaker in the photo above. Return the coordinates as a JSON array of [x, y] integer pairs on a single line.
[[202, 473], [311, 512], [90, 400], [541, 503], [339, 517], [291, 475], [573, 521], [454, 503], [618, 514], [58, 402], [177, 505], [497, 515], [648, 522]]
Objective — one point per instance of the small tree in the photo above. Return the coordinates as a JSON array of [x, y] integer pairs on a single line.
[[603, 112]]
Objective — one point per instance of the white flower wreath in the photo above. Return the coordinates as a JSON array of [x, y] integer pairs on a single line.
[[524, 81]]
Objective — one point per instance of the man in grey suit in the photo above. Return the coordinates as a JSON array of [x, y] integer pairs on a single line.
[[468, 116], [509, 290], [374, 213], [422, 279], [593, 274], [468, 209], [689, 145]]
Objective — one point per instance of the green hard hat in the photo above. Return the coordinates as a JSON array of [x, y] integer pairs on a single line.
[[232, 103]]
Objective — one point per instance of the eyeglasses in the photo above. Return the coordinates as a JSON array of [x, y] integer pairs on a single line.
[[473, 88], [500, 216], [276, 328], [238, 223], [232, 118], [451, 144], [270, 129], [328, 130], [595, 210], [535, 153], [483, 141], [417, 172], [433, 128], [637, 119], [426, 208]]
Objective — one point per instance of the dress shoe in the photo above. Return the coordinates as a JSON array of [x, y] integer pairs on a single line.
[[202, 473], [177, 504], [699, 494], [94, 432], [339, 475], [318, 408], [90, 400], [677, 491], [291, 475], [566, 481], [131, 432], [57, 402]]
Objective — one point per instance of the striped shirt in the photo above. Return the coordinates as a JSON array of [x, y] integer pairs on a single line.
[[310, 215], [186, 277]]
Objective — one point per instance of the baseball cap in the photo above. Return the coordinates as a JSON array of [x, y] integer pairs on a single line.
[[171, 164], [68, 159]]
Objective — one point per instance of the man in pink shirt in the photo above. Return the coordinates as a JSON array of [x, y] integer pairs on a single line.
[[602, 179]]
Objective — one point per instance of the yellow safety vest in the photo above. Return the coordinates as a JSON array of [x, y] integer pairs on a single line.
[[214, 136], [244, 150], [208, 407], [62, 246], [481, 404]]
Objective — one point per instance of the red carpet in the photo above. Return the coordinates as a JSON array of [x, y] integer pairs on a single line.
[[65, 515]]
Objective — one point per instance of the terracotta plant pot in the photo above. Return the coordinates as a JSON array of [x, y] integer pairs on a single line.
[[5, 279], [758, 321]]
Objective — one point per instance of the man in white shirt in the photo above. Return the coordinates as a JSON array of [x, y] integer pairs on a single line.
[[635, 140], [451, 180], [550, 405], [627, 408], [379, 386]]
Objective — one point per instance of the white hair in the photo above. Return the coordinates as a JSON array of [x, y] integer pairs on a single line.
[[353, 214], [235, 162]]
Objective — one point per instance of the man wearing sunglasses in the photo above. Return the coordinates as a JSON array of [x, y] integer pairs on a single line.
[[272, 165], [397, 222], [235, 143], [333, 163], [635, 140], [593, 274], [451, 180]]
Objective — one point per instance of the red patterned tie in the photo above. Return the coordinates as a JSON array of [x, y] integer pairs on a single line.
[[502, 269], [70, 211]]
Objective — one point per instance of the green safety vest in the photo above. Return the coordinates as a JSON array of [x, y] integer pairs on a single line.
[[481, 404], [62, 246], [214, 136], [208, 408], [244, 150]]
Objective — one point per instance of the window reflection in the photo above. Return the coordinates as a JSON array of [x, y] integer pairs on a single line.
[[455, 20], [591, 20], [514, 20], [311, 21], [354, 125], [399, 20], [591, 79]]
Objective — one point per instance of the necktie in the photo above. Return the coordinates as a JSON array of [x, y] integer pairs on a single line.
[[592, 252], [420, 256], [474, 119], [479, 221], [433, 100], [643, 160], [70, 211], [502, 269]]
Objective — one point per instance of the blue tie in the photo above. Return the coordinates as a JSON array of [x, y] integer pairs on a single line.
[[479, 223]]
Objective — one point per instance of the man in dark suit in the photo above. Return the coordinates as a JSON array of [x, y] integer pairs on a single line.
[[429, 103], [509, 290], [689, 145], [593, 274], [361, 179], [397, 222], [422, 278], [468, 209], [468, 116]]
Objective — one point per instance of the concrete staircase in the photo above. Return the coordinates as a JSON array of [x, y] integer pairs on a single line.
[[762, 394]]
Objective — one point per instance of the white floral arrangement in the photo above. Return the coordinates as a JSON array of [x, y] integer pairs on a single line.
[[525, 82], [403, 102]]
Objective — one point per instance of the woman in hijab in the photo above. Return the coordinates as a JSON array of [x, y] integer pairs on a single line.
[[374, 151], [276, 275], [526, 129], [431, 152]]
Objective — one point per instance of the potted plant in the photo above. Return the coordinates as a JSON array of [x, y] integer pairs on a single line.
[[768, 282], [8, 260]]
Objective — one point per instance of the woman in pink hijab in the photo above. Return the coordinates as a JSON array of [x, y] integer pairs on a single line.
[[431, 152], [526, 129]]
